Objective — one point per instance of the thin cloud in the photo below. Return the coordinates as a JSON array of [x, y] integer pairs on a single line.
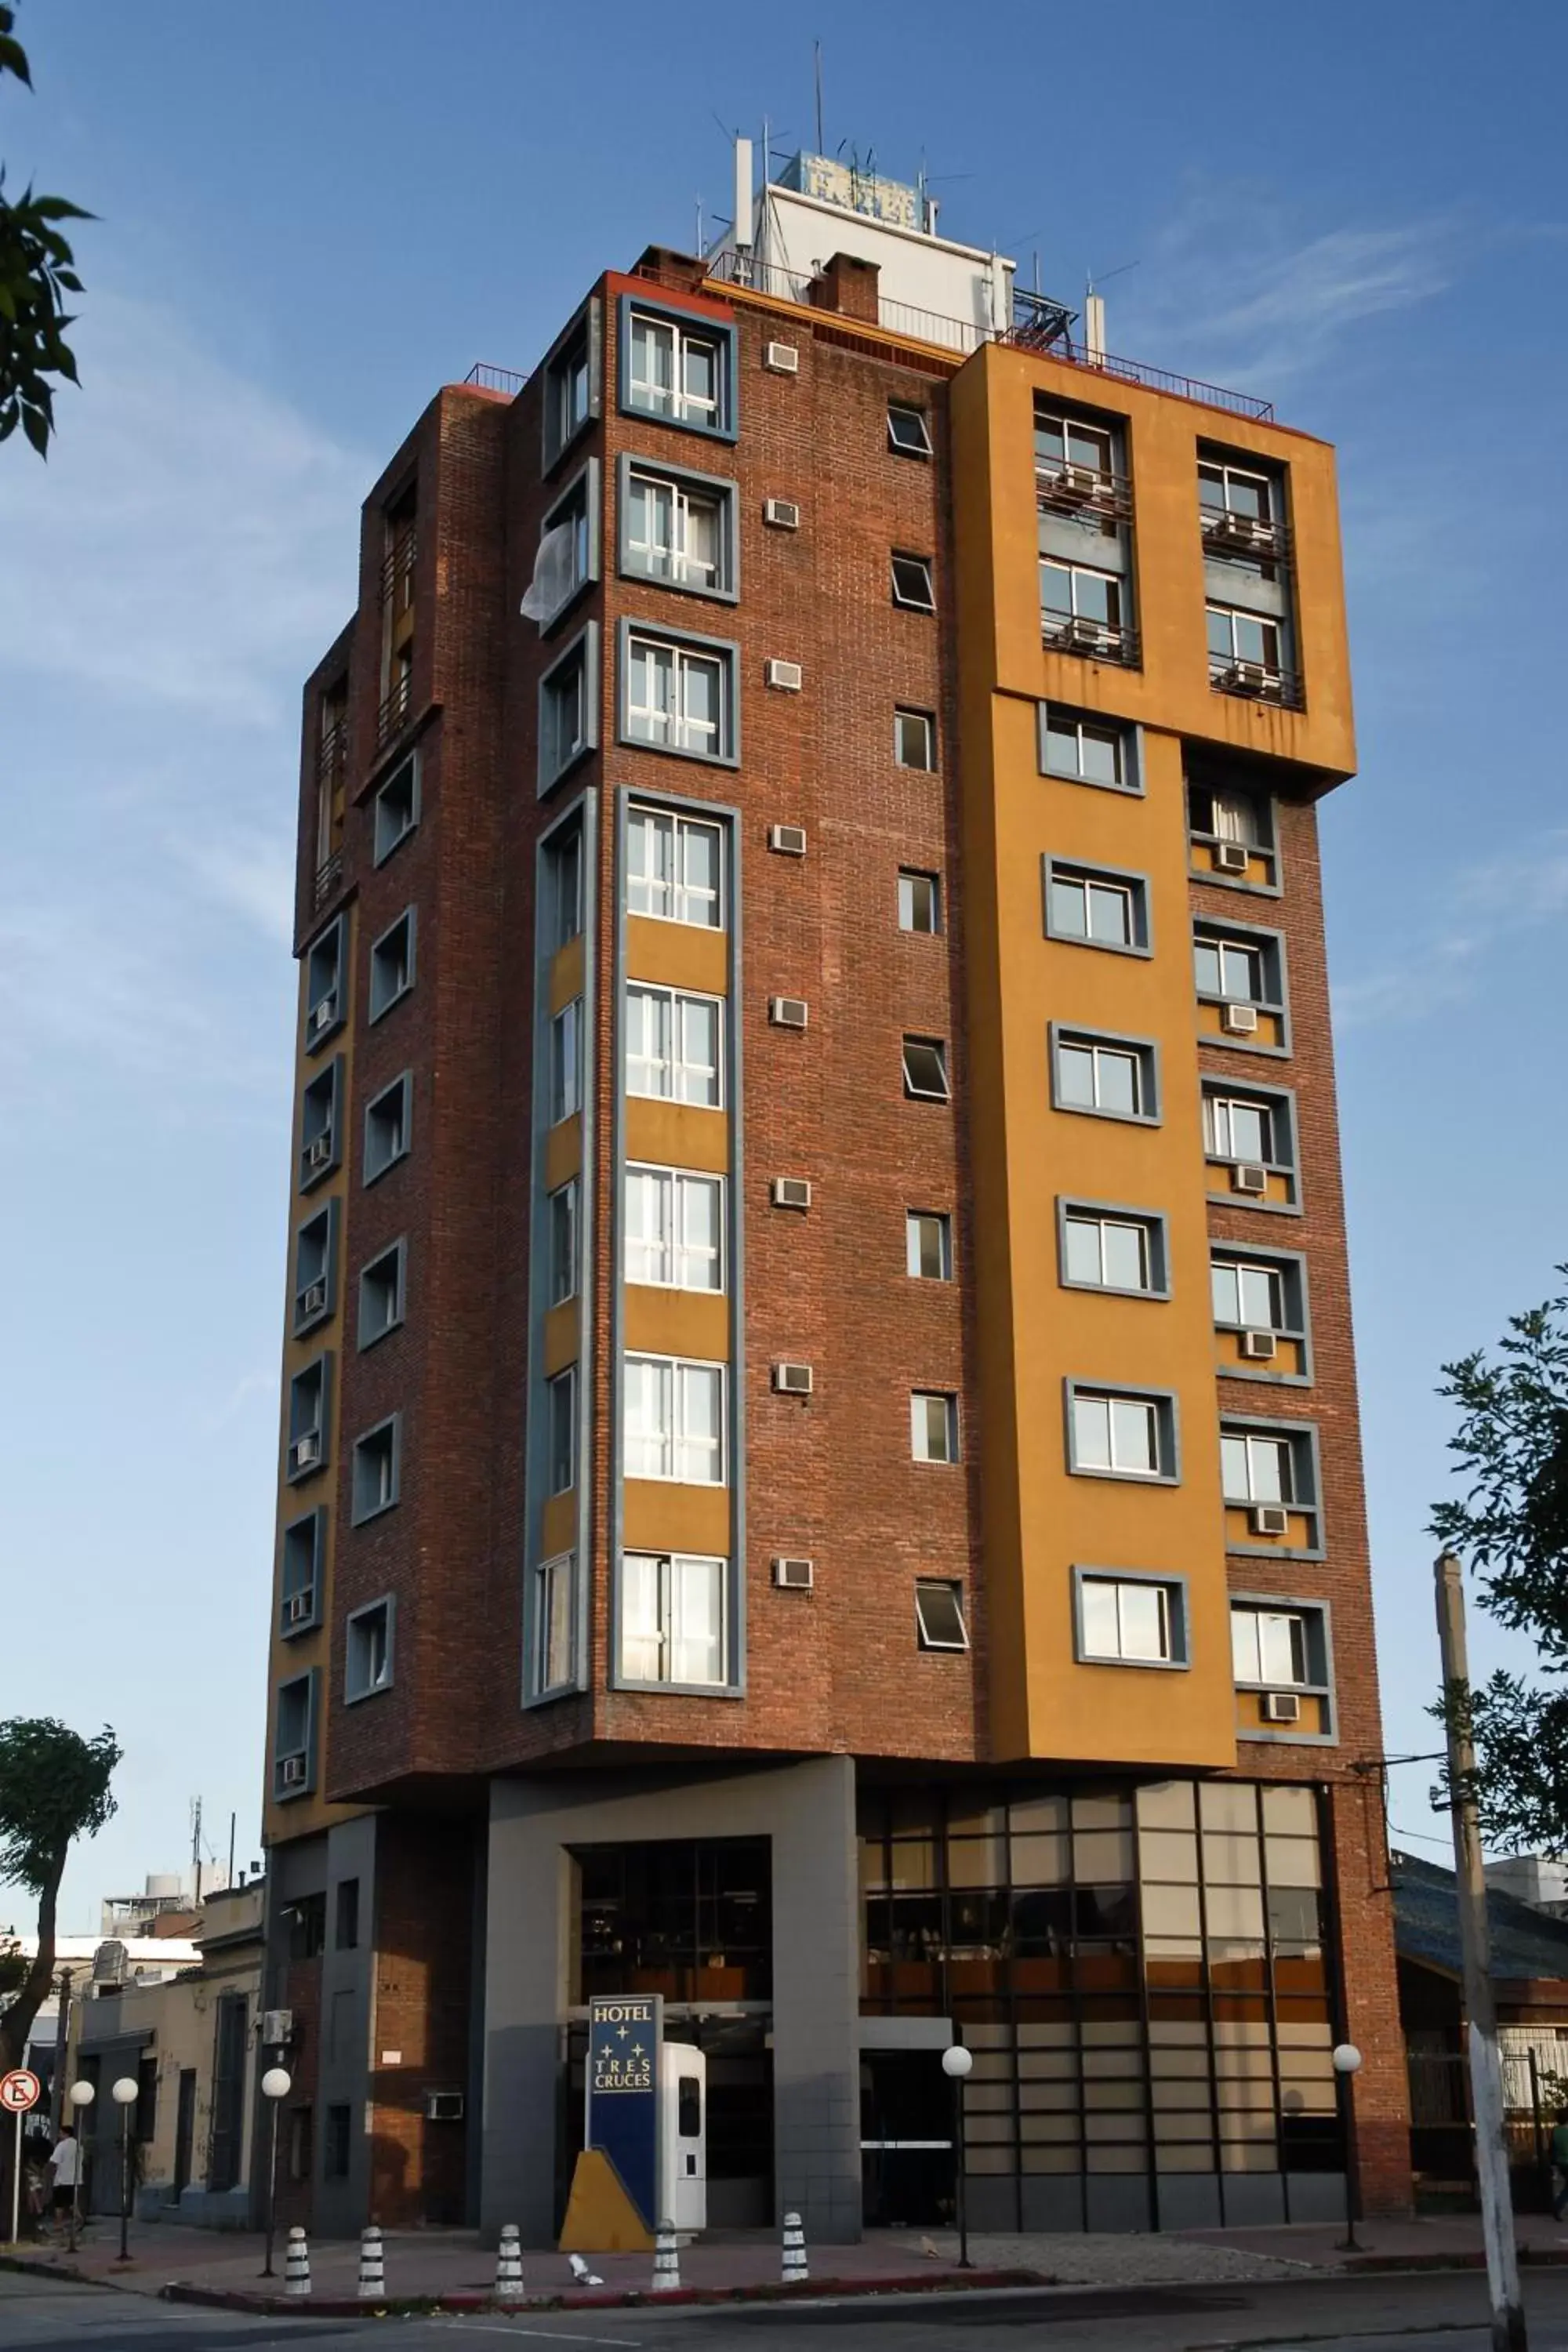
[[251, 873], [1482, 908]]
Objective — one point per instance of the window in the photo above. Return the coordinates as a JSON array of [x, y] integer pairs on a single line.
[[307, 1918], [1061, 441], [677, 528], [933, 1426], [672, 1619], [570, 389], [1118, 1433], [909, 430], [338, 2140], [912, 582], [674, 867], [678, 367], [294, 1737], [325, 995], [674, 1420], [1248, 1296], [914, 739], [316, 1269], [1105, 1249], [925, 1070], [1247, 1129], [561, 1213], [1258, 1468], [920, 901], [561, 1417], [566, 1062], [673, 1045], [1081, 607], [346, 1936], [553, 1621], [568, 553], [321, 1129], [1225, 489], [377, 1469], [1097, 908], [1131, 1621], [675, 1224], [1226, 968], [568, 707], [679, 696], [1214, 814], [299, 1573], [310, 1394], [929, 1244], [1266, 1469], [392, 965], [1269, 1647], [368, 1652], [396, 809], [560, 887], [1111, 1077], [388, 1126], [380, 1295], [939, 1615], [1236, 637], [1088, 751]]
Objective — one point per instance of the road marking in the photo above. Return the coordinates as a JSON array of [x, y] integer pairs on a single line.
[[549, 2335]]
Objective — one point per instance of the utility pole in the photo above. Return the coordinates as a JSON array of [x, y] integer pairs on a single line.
[[1486, 2074], [62, 2048]]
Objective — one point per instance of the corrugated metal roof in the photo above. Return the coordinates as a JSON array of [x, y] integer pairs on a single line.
[[1525, 1943]]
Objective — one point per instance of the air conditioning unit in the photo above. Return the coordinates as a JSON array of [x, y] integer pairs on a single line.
[[787, 677], [324, 1013], [1270, 1519], [1081, 632], [1247, 1176], [306, 1452], [1074, 481], [783, 359], [319, 1151], [1258, 1347], [298, 1608], [783, 513], [278, 2024], [291, 1771], [1280, 1707], [1229, 858], [789, 840], [788, 1012], [792, 1380], [790, 1193], [444, 2106], [1240, 1019], [313, 1298], [1250, 677], [793, 1575]]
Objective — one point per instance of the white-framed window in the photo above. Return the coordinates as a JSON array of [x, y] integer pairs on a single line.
[[367, 1650], [914, 739], [677, 530], [1096, 908], [1271, 1648], [678, 370], [1103, 1250], [1087, 751], [919, 900], [1229, 969], [928, 1236], [1061, 441], [674, 1420], [568, 707], [560, 1213], [674, 1045], [680, 697], [939, 1614], [675, 1228], [909, 430], [553, 1595], [561, 1430], [675, 867], [673, 1617], [1078, 592], [1235, 490], [566, 1062], [1118, 1435], [1115, 1077], [1259, 1467], [1239, 1127], [912, 587], [925, 1070], [1215, 813], [933, 1426], [1246, 1295], [1133, 1620], [1237, 636]]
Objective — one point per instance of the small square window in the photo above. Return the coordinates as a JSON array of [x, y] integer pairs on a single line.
[[560, 1213], [920, 901], [299, 1573], [1247, 1128], [569, 707], [326, 996], [1097, 906], [914, 739], [1131, 1621], [678, 695], [1270, 1471], [912, 582], [377, 1469], [925, 1070], [368, 1652], [561, 1418], [1270, 1648], [392, 965], [939, 1615], [929, 1237], [677, 528], [933, 1426], [396, 810], [1110, 1078], [316, 1269], [1087, 749], [675, 1045], [560, 887], [380, 1295], [388, 1126], [675, 867], [321, 1127], [1121, 1434], [1233, 966], [909, 430], [566, 1062], [678, 366], [1110, 1249]]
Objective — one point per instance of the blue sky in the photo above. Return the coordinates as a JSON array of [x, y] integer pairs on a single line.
[[311, 216]]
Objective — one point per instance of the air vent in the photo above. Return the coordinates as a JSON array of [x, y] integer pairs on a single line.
[[1259, 1347], [789, 840], [1250, 1177], [793, 1575], [790, 1193], [792, 1380], [1270, 1519], [783, 359], [444, 2106], [1280, 1707], [788, 1012], [783, 513], [1240, 1019], [1229, 858], [787, 678]]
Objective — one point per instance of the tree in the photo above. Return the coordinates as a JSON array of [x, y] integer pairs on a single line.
[[37, 272], [1512, 1527], [54, 1788]]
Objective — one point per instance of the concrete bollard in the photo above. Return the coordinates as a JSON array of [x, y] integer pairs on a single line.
[[297, 2265], [372, 2267], [509, 2265], [794, 2264], [666, 2260]]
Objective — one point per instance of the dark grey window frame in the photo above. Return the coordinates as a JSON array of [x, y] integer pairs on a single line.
[[572, 1187], [701, 322], [726, 649], [1076, 869], [585, 326], [408, 921], [390, 1426], [1154, 1223], [1073, 1032], [402, 1085], [1326, 1690], [1269, 944], [1268, 849], [585, 480], [579, 651], [1131, 785], [1178, 1617], [387, 1602], [570, 1375], [1211, 1083], [1168, 1426], [331, 945], [1305, 1448], [319, 1368], [311, 1681], [382, 845], [327, 1085], [290, 1585], [726, 493], [329, 1215], [1292, 1265], [398, 1252]]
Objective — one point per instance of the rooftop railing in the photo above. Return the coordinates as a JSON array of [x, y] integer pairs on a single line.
[[485, 378]]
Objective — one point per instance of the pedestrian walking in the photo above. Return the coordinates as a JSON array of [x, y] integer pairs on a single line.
[[65, 2173]]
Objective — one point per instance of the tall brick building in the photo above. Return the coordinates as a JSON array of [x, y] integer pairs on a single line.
[[820, 1470]]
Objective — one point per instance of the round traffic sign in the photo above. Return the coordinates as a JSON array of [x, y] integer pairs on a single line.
[[19, 2091]]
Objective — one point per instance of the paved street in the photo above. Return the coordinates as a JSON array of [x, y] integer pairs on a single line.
[[1411, 2313]]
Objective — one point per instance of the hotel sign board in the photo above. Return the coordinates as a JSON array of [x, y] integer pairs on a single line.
[[626, 2037]]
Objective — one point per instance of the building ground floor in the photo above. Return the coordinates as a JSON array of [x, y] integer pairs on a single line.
[[1150, 1974]]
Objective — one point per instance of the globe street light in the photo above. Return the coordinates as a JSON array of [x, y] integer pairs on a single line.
[[1347, 2060], [124, 2097], [81, 2096], [956, 2062], [276, 2085]]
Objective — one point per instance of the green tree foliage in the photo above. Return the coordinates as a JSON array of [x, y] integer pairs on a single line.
[[37, 273], [1511, 1528], [54, 1788]]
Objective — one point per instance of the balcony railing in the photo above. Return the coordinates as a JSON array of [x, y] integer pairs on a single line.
[[397, 569], [1070, 490], [394, 708], [486, 378], [329, 873], [1254, 536], [332, 756], [1098, 640], [1255, 682]]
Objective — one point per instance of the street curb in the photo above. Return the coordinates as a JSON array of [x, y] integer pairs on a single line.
[[38, 2266], [273, 2306]]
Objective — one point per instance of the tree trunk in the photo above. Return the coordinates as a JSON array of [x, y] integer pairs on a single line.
[[16, 2022]]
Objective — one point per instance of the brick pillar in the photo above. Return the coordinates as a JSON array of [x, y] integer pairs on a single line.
[[1369, 1995], [850, 286]]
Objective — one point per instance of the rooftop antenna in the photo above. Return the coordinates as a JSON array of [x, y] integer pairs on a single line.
[[816, 65], [196, 1844], [1094, 312], [698, 247]]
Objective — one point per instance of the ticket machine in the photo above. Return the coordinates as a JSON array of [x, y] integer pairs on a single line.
[[683, 2134]]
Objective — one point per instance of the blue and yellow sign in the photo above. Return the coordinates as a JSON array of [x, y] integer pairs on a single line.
[[625, 2038]]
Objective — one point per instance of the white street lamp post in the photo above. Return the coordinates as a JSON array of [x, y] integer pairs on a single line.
[[81, 2096], [124, 2097], [957, 2063], [276, 2085], [1347, 2062]]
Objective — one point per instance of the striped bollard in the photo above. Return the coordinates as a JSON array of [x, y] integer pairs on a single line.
[[666, 2261], [372, 2266], [509, 2265], [794, 2265], [297, 2265]]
